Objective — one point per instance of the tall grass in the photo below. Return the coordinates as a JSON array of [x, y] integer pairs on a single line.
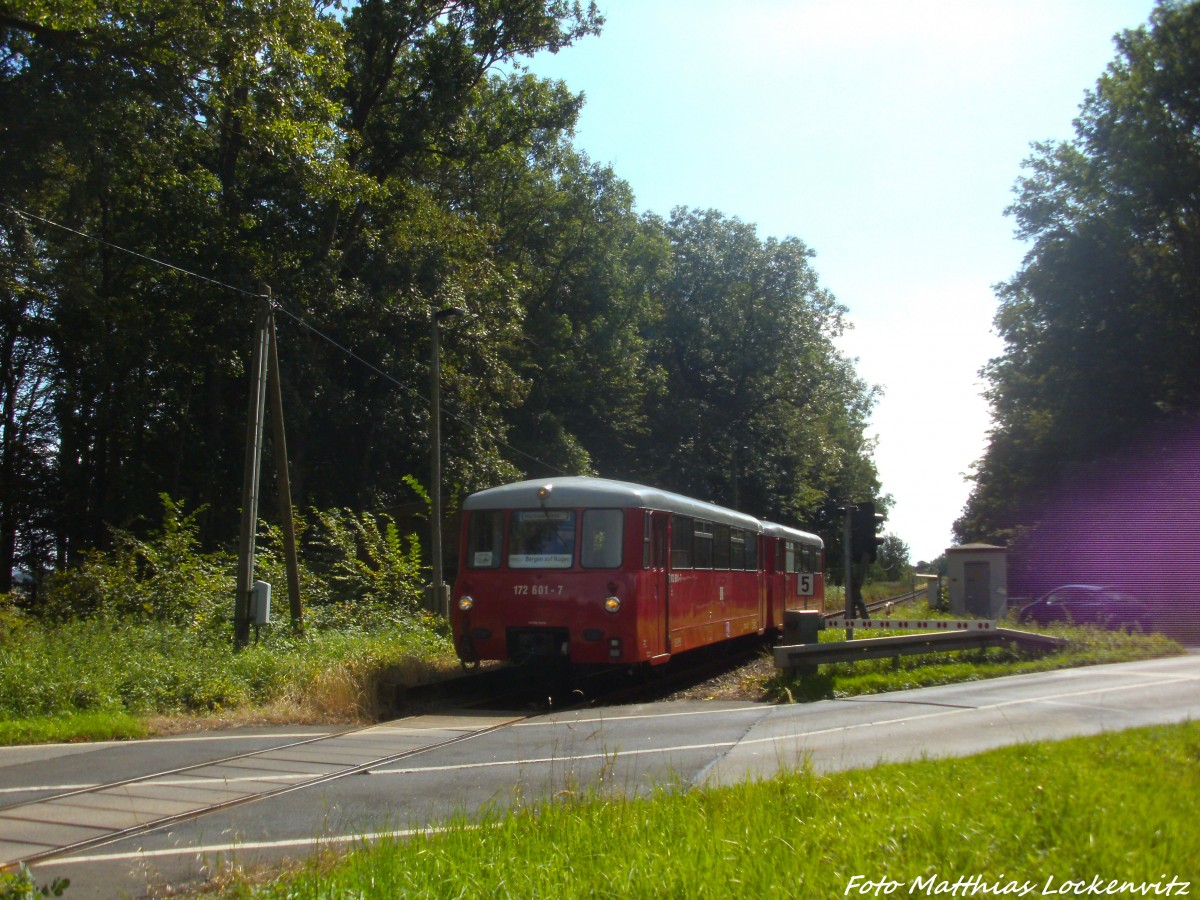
[[145, 668], [1118, 806], [146, 630]]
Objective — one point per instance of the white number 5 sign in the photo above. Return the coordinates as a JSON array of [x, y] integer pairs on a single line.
[[804, 584]]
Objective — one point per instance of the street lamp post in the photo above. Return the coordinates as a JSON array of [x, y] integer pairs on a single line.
[[439, 599]]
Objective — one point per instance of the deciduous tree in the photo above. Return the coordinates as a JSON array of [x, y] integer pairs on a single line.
[[1102, 322]]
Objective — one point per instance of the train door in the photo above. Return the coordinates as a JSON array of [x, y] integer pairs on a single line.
[[757, 546], [786, 561], [660, 551]]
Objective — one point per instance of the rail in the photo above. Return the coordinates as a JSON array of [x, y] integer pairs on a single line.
[[72, 817]]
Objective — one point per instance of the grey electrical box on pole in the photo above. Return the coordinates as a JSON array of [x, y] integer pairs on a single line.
[[260, 605]]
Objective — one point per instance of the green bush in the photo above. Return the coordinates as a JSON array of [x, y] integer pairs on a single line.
[[146, 628], [370, 574], [20, 885], [357, 570], [164, 577]]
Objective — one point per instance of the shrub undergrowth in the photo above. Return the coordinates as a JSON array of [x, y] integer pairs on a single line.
[[146, 628]]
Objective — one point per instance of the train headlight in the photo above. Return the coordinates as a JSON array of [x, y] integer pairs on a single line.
[[465, 602], [612, 604]]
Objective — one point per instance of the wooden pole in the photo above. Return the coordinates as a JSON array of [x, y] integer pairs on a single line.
[[250, 478], [284, 480], [437, 601]]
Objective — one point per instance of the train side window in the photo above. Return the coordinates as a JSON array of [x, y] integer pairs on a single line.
[[681, 542], [791, 556], [602, 538], [702, 551], [720, 546], [484, 536], [751, 551], [737, 549], [646, 540]]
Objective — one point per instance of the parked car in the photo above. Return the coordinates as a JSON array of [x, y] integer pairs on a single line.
[[1087, 604]]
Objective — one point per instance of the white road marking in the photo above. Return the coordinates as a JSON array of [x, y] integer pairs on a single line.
[[542, 723], [249, 845]]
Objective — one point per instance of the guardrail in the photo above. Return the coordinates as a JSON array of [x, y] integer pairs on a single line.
[[797, 659], [915, 624]]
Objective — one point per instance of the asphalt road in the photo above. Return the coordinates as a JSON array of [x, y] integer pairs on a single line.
[[499, 757]]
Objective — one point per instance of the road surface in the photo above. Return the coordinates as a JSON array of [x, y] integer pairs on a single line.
[[493, 757]]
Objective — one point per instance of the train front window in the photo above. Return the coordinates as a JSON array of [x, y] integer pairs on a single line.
[[484, 535], [541, 539], [601, 544]]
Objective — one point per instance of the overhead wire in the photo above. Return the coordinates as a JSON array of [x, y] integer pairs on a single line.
[[143, 256], [275, 304]]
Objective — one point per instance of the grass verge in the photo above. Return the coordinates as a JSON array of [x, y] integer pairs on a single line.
[[98, 679], [73, 728], [1117, 806]]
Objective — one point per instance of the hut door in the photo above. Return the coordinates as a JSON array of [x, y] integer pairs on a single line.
[[978, 577]]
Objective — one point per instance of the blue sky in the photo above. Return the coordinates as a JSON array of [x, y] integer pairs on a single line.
[[885, 134]]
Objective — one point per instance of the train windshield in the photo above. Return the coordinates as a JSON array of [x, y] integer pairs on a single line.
[[601, 544], [541, 539]]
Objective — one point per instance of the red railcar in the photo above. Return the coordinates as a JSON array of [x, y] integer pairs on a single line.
[[794, 568], [594, 571]]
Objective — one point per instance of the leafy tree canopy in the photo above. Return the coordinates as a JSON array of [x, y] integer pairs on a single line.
[[371, 162], [1102, 321]]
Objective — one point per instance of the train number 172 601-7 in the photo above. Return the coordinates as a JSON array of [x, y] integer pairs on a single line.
[[537, 590]]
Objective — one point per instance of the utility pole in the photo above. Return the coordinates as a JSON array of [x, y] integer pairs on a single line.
[[250, 477], [439, 600], [264, 369], [284, 492]]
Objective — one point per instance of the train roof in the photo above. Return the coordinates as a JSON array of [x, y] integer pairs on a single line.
[[583, 491], [771, 529]]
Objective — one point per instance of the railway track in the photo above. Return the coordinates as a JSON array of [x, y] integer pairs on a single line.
[[42, 821], [47, 821], [39, 822], [876, 605]]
